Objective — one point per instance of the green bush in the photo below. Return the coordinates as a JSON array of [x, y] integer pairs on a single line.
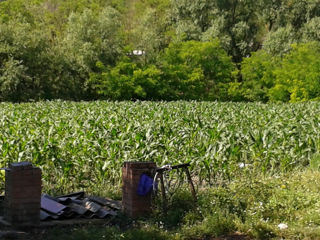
[[293, 77], [298, 76], [186, 70], [257, 76], [127, 80], [197, 70]]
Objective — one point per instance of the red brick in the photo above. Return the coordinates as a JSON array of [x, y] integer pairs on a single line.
[[28, 206], [133, 204], [23, 195]]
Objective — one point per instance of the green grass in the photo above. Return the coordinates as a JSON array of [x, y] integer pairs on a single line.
[[253, 208]]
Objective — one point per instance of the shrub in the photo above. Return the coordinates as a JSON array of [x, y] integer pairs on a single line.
[[257, 76], [298, 77], [197, 70]]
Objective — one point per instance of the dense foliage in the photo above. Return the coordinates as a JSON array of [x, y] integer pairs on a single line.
[[294, 77], [187, 70], [84, 144], [83, 50]]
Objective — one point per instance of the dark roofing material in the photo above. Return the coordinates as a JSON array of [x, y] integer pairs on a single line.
[[76, 205], [51, 206]]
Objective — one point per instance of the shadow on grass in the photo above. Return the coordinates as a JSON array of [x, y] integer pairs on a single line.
[[98, 232]]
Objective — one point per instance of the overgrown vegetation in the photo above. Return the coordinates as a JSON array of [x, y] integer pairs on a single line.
[[255, 165], [83, 145], [201, 49], [187, 70], [249, 207], [252, 158]]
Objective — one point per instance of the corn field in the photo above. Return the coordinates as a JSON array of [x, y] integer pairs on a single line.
[[80, 145]]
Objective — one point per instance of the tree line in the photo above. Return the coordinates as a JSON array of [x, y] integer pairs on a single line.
[[226, 50]]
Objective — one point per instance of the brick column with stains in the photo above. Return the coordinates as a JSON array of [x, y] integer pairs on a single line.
[[22, 194], [134, 205]]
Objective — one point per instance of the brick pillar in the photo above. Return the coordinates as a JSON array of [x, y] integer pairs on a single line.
[[22, 194], [134, 205]]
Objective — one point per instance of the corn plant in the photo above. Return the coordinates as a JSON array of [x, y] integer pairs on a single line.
[[83, 144]]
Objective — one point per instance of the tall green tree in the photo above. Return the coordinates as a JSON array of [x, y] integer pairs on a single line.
[[89, 38], [235, 22], [152, 34], [289, 21], [23, 61]]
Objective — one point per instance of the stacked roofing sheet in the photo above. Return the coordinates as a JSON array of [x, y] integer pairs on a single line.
[[77, 205]]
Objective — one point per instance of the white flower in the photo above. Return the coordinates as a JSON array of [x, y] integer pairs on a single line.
[[282, 226], [241, 165]]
